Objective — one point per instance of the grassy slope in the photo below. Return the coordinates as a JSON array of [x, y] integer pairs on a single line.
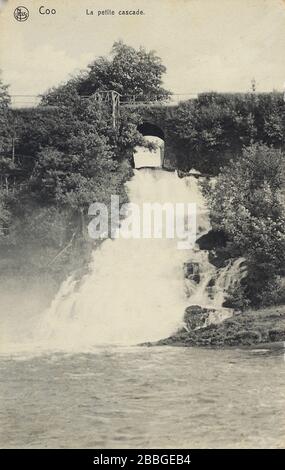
[[252, 327]]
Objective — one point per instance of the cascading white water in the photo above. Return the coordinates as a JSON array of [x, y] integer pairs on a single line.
[[135, 290]]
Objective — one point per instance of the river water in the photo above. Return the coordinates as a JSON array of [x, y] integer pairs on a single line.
[[143, 397]]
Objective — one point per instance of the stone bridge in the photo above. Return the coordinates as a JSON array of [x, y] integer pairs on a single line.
[[156, 121], [156, 118]]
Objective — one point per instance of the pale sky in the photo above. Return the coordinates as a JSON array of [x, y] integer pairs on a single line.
[[205, 44]]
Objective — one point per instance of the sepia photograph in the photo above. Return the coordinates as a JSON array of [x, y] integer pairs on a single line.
[[142, 227]]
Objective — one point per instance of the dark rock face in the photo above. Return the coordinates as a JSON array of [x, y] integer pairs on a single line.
[[218, 257], [228, 303], [191, 271], [215, 242], [195, 317], [212, 240]]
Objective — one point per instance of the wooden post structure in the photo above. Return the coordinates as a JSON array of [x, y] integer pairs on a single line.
[[13, 149], [112, 98], [115, 107]]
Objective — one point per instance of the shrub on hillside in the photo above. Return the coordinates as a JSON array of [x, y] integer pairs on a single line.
[[247, 203]]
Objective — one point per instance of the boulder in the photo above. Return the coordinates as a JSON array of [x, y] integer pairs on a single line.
[[212, 240], [191, 271], [196, 317]]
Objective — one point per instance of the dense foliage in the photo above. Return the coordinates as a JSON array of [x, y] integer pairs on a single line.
[[5, 117], [5, 162], [211, 130], [247, 203], [68, 155], [128, 71]]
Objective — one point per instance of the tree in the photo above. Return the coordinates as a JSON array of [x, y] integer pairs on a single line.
[[129, 72], [5, 142], [77, 163], [4, 215], [5, 118], [247, 203], [73, 156], [214, 128]]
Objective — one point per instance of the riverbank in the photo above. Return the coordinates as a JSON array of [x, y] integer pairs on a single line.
[[253, 327]]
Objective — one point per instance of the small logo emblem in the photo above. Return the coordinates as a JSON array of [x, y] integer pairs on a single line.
[[21, 14]]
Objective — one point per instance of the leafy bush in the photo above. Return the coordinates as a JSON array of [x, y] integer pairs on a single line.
[[69, 155], [212, 129], [247, 203]]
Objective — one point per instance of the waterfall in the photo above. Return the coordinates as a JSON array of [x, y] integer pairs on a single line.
[[135, 290]]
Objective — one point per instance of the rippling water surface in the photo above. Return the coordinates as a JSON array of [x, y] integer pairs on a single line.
[[143, 397]]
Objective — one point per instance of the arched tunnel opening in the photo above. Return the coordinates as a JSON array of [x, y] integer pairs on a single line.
[[147, 158], [149, 129]]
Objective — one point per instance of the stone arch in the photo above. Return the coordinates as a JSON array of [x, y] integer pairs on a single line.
[[147, 128], [144, 158]]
